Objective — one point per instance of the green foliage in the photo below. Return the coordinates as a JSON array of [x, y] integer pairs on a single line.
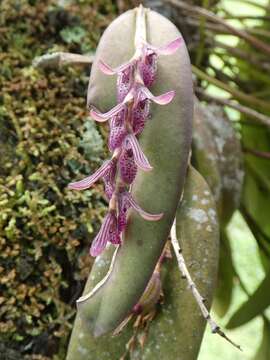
[[263, 351], [254, 306], [171, 331], [223, 294], [92, 142], [74, 34]]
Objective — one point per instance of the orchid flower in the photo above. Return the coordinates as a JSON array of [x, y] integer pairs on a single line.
[[118, 130], [146, 58], [125, 201], [112, 226], [90, 180], [107, 233], [127, 166], [137, 93], [140, 159], [148, 63]]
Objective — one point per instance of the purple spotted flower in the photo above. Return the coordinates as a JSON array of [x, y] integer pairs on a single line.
[[148, 63], [90, 180], [126, 120], [118, 129], [126, 201], [136, 94], [127, 166], [107, 233], [146, 60], [113, 225]]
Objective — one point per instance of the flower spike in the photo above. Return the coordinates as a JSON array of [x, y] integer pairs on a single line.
[[127, 120]]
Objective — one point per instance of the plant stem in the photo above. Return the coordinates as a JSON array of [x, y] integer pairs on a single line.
[[199, 11], [261, 118], [140, 34], [199, 299], [199, 55], [255, 4], [60, 59], [258, 153], [236, 93]]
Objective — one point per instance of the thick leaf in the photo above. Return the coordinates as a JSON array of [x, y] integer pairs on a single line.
[[205, 155], [198, 233], [254, 306], [166, 143], [178, 326], [82, 344], [223, 293], [229, 159]]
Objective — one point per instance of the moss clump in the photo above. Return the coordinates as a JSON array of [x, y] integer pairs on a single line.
[[46, 141]]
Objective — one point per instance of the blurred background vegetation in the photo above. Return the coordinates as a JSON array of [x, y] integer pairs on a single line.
[[47, 140]]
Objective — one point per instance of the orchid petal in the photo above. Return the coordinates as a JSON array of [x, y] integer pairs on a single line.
[[139, 157], [108, 70], [101, 117], [163, 99], [100, 241], [145, 215], [169, 48], [90, 180]]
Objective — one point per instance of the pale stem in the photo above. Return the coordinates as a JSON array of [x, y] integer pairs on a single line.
[[140, 33], [59, 59], [199, 299]]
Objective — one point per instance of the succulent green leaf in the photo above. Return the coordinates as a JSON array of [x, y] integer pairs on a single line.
[[223, 293], [230, 160], [166, 141], [204, 152], [217, 156], [178, 326], [180, 319], [254, 306], [82, 344]]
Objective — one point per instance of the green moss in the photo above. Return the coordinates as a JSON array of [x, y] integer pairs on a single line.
[[45, 230]]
